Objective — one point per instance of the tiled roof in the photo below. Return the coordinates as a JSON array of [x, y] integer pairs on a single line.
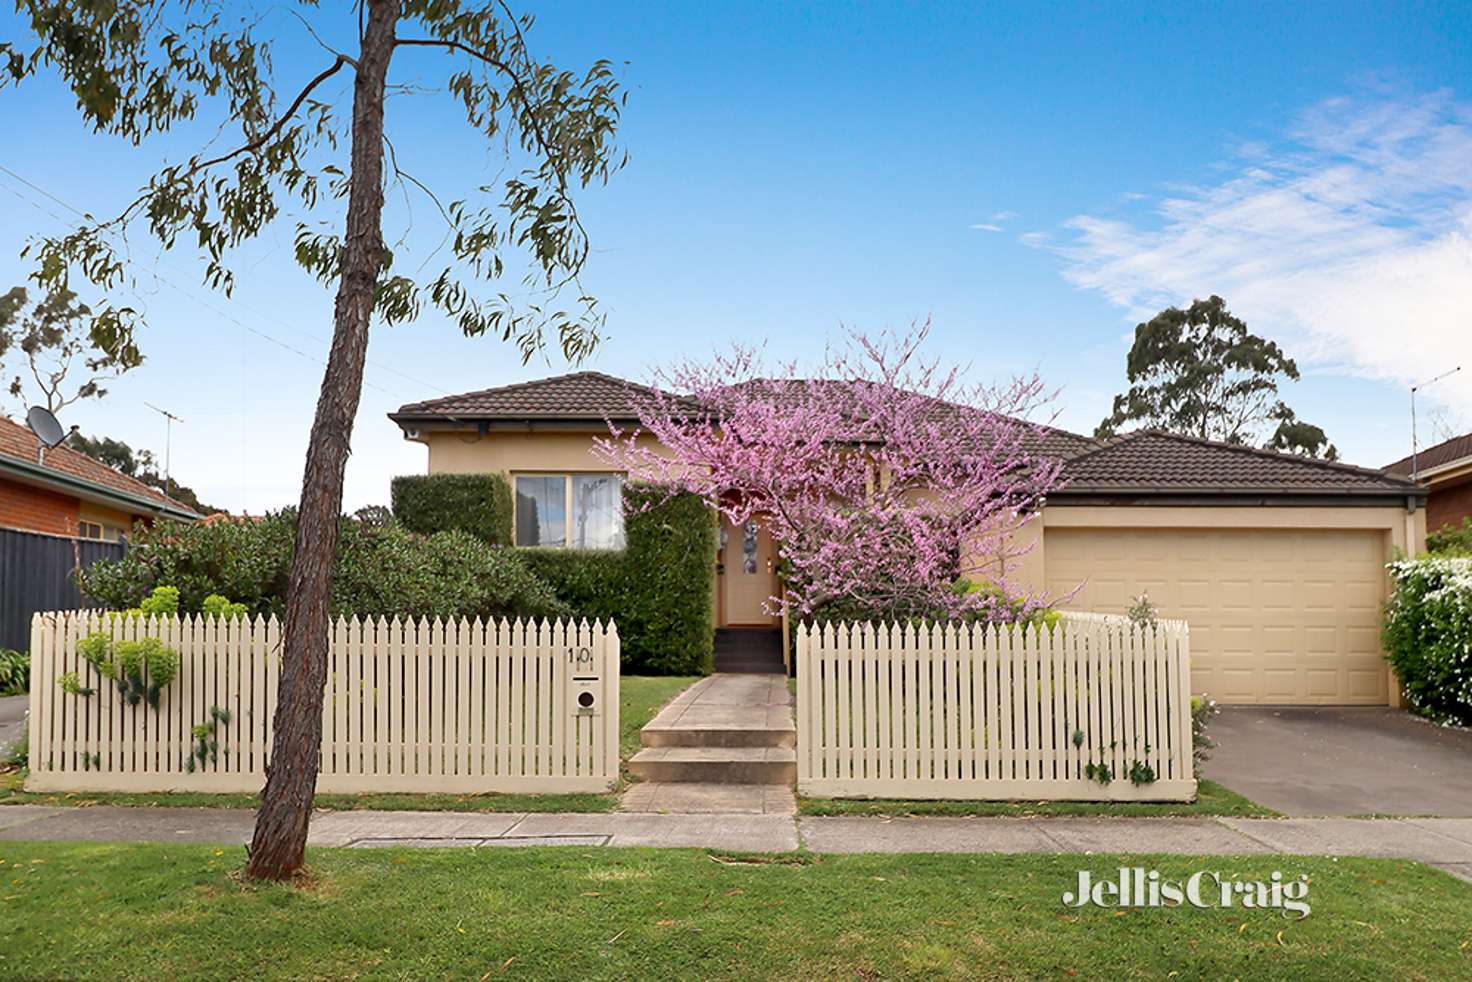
[[18, 443], [1445, 452], [580, 395], [1143, 462], [1154, 461]]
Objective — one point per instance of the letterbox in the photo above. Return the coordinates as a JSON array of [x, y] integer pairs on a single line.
[[587, 682]]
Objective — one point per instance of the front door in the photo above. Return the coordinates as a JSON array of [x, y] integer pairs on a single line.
[[748, 573]]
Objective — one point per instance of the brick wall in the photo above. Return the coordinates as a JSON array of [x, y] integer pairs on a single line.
[[1448, 506], [36, 509]]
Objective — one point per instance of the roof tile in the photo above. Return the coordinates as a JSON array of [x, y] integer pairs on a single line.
[[1152, 460], [580, 395], [1145, 461], [1442, 453], [19, 443]]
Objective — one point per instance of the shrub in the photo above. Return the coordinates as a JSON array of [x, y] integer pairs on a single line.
[[479, 504], [15, 672], [1203, 708], [1427, 633], [381, 571], [660, 589], [1453, 540], [247, 560], [20, 753], [1143, 613], [1006, 609], [216, 605]]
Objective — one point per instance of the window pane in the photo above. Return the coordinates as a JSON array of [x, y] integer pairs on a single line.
[[541, 511], [597, 511]]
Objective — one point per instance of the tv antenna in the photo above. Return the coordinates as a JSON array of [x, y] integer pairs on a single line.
[[169, 420], [1415, 463]]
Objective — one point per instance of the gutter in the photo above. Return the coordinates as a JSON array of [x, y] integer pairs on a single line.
[[57, 481], [1146, 497]]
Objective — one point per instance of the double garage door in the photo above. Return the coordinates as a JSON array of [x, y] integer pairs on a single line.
[[1276, 616]]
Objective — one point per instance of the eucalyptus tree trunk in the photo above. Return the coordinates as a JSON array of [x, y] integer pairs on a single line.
[[278, 848]]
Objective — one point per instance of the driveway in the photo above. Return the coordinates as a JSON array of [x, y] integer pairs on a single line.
[[1339, 760]]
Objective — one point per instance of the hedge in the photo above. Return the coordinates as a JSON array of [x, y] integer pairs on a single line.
[[476, 503], [660, 590], [1452, 540], [381, 571], [1428, 635]]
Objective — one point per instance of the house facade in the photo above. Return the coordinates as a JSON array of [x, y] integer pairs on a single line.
[[59, 491], [1276, 561], [1446, 470]]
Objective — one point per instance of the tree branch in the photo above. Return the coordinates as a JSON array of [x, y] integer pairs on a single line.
[[250, 147], [281, 121]]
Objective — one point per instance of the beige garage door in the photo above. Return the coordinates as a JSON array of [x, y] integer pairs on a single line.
[[1276, 616]]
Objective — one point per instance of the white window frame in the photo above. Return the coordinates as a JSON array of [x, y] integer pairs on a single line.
[[567, 513], [83, 523]]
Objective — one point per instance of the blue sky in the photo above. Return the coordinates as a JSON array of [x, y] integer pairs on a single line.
[[1033, 178]]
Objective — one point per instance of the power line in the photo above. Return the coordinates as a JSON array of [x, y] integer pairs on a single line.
[[208, 306]]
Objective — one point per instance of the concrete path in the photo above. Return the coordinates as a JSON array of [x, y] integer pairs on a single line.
[[724, 745], [1446, 843], [1310, 761], [12, 721]]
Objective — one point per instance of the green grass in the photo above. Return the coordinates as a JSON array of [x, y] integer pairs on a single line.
[[168, 910], [640, 697], [1211, 799]]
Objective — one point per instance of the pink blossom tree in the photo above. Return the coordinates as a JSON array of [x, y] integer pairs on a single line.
[[884, 478]]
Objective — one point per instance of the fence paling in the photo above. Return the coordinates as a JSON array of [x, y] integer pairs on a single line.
[[955, 711], [407, 706]]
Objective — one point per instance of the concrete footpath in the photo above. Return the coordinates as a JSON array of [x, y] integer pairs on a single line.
[[1443, 842]]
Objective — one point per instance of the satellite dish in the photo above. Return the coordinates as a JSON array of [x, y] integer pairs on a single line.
[[43, 423]]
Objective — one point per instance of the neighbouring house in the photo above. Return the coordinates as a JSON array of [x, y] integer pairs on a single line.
[[1446, 470], [63, 492], [1277, 561]]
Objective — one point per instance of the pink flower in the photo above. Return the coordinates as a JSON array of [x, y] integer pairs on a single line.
[[884, 478]]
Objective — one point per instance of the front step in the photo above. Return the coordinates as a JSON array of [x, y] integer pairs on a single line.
[[778, 734], [752, 650], [716, 765]]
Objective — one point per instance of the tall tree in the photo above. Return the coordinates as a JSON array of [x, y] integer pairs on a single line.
[[1199, 371], [143, 67], [49, 348]]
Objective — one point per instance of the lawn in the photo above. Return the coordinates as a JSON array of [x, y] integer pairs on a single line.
[[136, 911], [640, 697], [1211, 799]]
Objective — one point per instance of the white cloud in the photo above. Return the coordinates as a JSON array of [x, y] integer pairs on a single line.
[[987, 227], [1351, 237]]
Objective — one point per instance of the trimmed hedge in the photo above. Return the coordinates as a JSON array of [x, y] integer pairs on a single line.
[[1428, 636], [476, 503], [381, 571], [660, 590]]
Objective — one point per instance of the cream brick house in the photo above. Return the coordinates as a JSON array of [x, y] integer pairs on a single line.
[[1277, 561]]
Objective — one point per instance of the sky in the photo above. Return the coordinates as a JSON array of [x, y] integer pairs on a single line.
[[1035, 179]]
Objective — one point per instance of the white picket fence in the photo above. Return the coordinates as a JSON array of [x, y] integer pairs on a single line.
[[950, 711], [461, 707]]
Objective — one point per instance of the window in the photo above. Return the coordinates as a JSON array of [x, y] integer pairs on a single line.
[[578, 511], [89, 530]]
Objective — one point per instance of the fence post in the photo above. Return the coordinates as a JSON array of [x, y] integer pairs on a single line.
[[804, 701], [611, 677]]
